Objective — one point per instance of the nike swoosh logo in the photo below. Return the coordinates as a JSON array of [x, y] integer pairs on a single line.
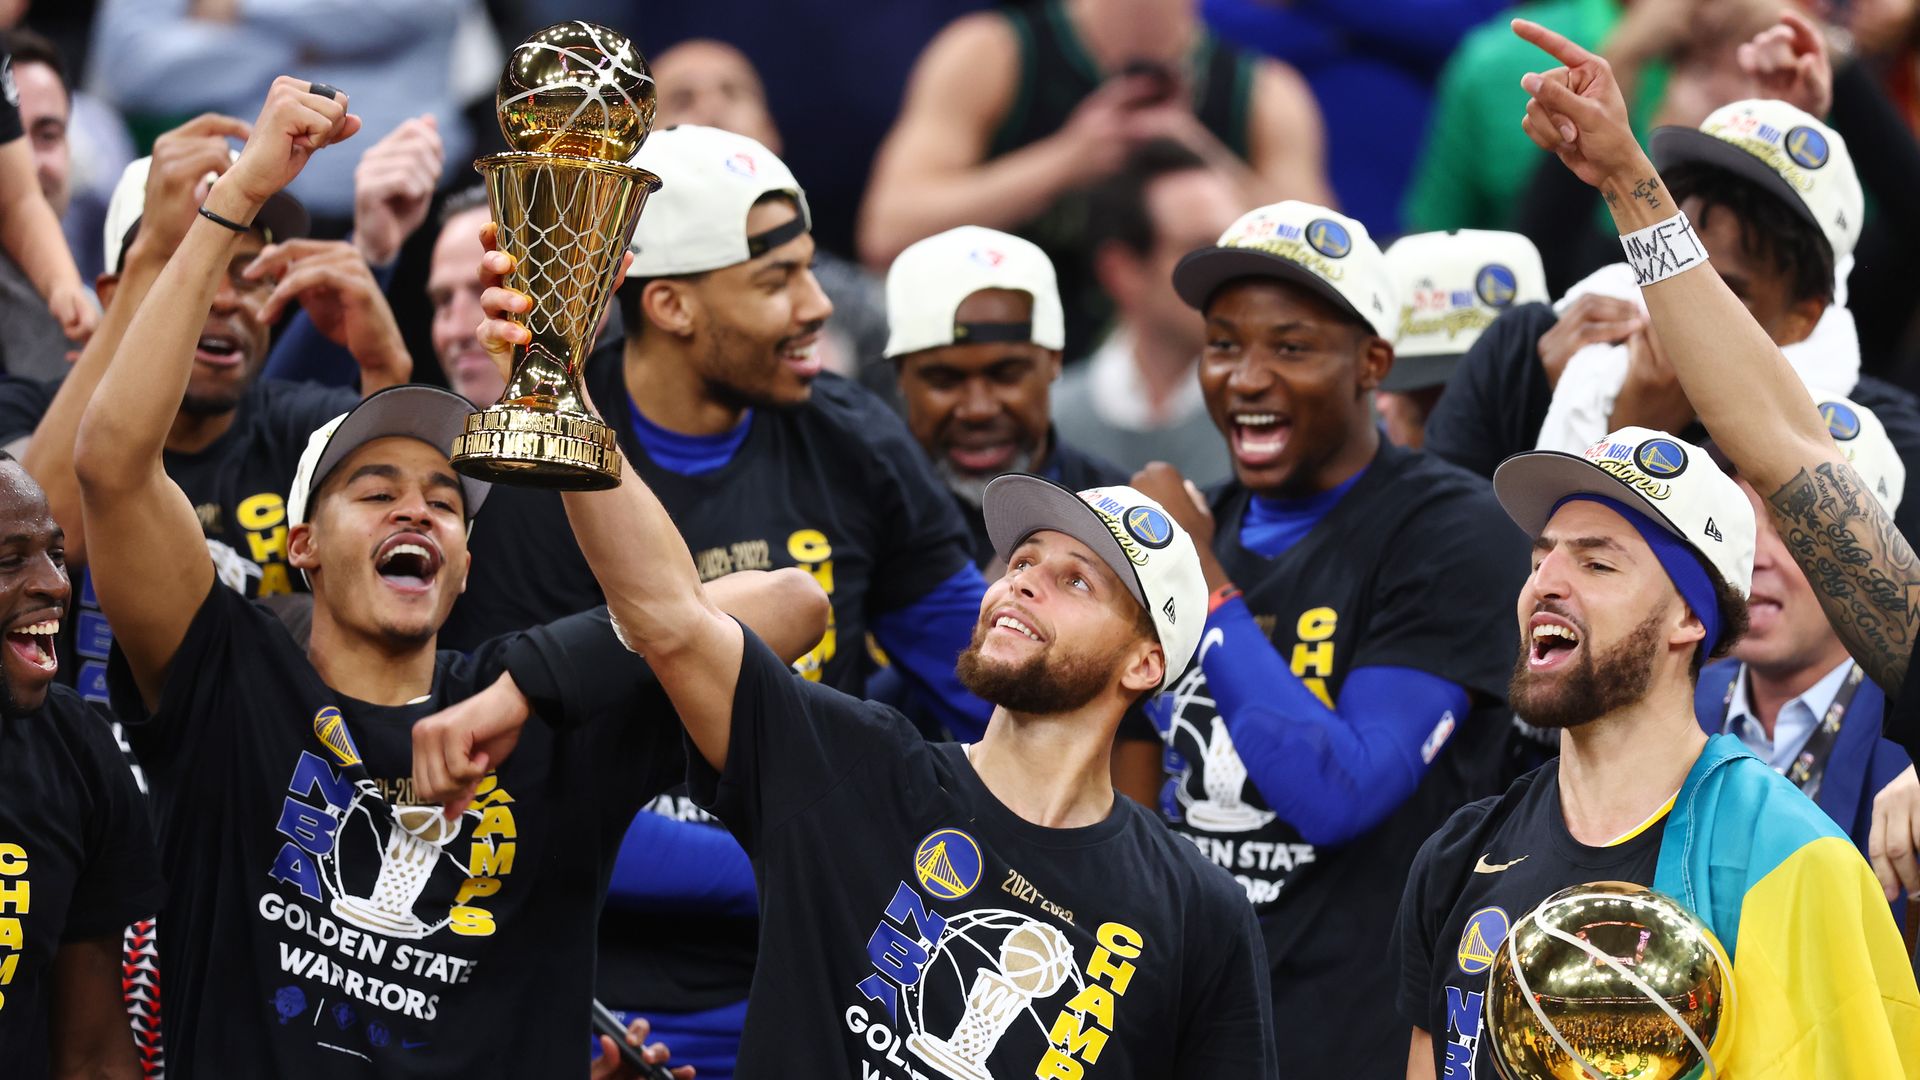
[[1485, 867]]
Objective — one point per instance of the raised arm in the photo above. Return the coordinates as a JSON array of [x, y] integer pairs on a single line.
[[31, 235], [148, 553], [1759, 412], [181, 158]]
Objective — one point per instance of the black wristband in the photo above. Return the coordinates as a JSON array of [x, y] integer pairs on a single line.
[[223, 222]]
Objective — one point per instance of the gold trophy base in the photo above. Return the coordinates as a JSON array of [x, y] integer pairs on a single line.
[[561, 451]]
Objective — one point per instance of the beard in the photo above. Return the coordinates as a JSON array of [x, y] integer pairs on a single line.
[[1593, 686], [212, 403], [971, 488], [738, 370], [1041, 685]]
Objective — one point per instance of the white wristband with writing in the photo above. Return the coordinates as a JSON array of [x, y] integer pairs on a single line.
[[1660, 251]]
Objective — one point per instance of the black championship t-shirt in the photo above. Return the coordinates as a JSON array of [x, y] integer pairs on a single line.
[[321, 923], [1418, 567], [527, 569], [77, 861], [1491, 864], [913, 927]]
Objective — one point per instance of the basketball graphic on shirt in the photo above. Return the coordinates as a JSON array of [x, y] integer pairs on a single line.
[[384, 862], [984, 979], [1197, 736]]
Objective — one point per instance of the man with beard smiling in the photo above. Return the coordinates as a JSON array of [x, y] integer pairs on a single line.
[[77, 859], [325, 921], [1349, 687], [975, 332], [1642, 561], [948, 910]]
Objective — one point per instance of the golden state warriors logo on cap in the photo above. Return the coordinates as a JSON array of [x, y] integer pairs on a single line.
[[331, 728], [1807, 147], [1149, 526], [948, 864], [1495, 285], [1484, 932], [1842, 422], [1662, 459], [1329, 238]]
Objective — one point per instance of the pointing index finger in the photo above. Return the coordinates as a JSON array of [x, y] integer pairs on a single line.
[[1552, 43]]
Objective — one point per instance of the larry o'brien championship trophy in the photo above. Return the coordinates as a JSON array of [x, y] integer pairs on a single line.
[[575, 102], [1610, 981]]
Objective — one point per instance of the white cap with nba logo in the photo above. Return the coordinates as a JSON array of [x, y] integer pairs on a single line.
[[928, 281], [1322, 250], [709, 180], [1787, 152], [1452, 285], [1668, 479], [1861, 436], [1138, 540]]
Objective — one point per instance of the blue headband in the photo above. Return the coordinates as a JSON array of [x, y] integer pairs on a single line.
[[1682, 564]]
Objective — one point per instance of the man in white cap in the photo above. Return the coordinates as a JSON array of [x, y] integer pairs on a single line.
[[1452, 286], [322, 919], [721, 406], [975, 331], [1793, 695], [1350, 690], [948, 909], [1642, 561], [1773, 194]]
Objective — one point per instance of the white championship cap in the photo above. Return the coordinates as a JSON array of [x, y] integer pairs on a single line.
[[1670, 480], [697, 221], [1784, 150], [282, 218], [1298, 242], [1137, 539], [1452, 285], [1864, 440], [928, 281], [414, 411]]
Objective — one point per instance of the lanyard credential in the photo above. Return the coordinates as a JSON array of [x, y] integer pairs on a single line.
[[1810, 765]]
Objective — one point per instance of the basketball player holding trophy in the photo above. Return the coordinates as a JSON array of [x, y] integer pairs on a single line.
[[947, 910], [1642, 559], [323, 920]]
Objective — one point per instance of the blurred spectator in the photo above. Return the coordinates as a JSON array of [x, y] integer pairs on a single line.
[[1372, 66], [712, 83], [1478, 162], [1012, 115], [454, 291], [32, 345], [160, 60], [1452, 286], [977, 329], [1137, 399]]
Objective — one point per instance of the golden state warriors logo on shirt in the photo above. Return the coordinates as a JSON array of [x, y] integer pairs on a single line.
[[331, 729], [1495, 285], [1662, 459], [1149, 526], [1807, 147], [1484, 932], [1842, 422], [948, 864], [1329, 238]]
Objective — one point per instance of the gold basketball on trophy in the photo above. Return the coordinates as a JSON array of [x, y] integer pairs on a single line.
[[575, 102], [1610, 980]]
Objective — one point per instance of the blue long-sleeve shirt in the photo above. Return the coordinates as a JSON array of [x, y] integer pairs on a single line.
[[670, 865]]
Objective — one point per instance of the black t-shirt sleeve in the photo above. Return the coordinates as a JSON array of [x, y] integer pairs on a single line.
[[921, 540], [1227, 1022], [791, 742], [1498, 396], [10, 128], [1414, 931], [1444, 594], [228, 639], [120, 881]]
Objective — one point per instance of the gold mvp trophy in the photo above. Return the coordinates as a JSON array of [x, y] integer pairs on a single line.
[[575, 102]]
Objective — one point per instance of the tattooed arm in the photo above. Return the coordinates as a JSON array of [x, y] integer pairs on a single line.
[[1759, 411]]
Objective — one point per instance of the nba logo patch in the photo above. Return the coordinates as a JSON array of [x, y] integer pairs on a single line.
[[987, 257], [947, 864], [742, 164], [1484, 932]]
